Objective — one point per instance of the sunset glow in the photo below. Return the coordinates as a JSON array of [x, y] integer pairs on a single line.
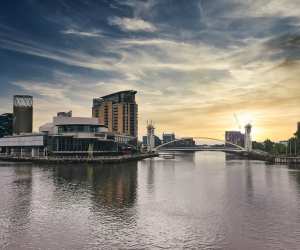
[[194, 65]]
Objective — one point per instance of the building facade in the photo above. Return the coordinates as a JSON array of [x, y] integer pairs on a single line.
[[68, 136], [235, 137], [118, 112], [22, 114], [6, 124]]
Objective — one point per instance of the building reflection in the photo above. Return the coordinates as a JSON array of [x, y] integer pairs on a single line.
[[18, 203], [116, 185], [23, 193], [111, 185]]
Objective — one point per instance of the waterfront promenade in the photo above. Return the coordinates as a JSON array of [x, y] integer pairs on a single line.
[[69, 159]]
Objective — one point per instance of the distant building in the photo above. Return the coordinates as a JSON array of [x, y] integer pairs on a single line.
[[183, 143], [23, 114], [186, 142], [6, 124], [65, 114], [168, 137], [235, 137], [118, 112]]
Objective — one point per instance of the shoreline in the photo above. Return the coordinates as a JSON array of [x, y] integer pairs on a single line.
[[74, 160]]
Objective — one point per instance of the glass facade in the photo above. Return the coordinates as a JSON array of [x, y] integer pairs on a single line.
[[78, 129], [71, 144], [6, 124]]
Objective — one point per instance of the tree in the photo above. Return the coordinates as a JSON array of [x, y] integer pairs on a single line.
[[269, 146]]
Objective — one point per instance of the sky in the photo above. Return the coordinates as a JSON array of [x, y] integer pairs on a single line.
[[196, 64]]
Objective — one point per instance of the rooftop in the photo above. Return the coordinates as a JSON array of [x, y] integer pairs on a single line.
[[132, 92]]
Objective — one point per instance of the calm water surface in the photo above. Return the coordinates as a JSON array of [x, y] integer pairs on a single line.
[[198, 201]]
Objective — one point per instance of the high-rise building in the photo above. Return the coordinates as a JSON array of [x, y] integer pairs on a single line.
[[168, 137], [23, 114], [118, 111], [6, 124], [235, 137]]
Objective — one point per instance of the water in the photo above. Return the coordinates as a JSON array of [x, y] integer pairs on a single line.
[[196, 201]]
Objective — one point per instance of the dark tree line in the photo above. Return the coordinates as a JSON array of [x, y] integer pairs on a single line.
[[290, 147]]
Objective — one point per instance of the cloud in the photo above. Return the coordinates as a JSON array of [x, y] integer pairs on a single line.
[[245, 59], [81, 33], [132, 24]]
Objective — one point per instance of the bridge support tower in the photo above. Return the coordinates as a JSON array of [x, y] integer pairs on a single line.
[[248, 140], [150, 137]]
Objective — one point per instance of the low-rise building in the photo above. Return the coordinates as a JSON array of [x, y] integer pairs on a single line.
[[168, 137], [235, 137], [67, 135], [187, 142]]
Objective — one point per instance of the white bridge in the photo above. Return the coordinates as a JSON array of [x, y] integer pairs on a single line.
[[233, 147]]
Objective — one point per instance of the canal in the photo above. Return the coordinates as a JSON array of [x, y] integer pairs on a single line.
[[203, 200]]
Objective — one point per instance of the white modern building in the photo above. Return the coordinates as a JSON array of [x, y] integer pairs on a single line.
[[66, 135]]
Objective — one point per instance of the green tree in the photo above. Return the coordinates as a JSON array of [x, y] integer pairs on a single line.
[[269, 146]]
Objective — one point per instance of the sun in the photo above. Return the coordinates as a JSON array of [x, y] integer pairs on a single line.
[[245, 118]]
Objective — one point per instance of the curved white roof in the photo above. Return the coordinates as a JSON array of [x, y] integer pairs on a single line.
[[75, 121]]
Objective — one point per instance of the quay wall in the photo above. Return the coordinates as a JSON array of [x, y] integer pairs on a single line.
[[73, 160]]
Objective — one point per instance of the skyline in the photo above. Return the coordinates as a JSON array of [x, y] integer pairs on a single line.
[[194, 65]]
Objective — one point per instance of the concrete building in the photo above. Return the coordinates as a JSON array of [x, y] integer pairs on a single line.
[[23, 114], [118, 112], [168, 137], [235, 137]]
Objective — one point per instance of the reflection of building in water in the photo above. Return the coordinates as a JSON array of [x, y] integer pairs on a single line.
[[17, 205], [116, 185], [113, 185]]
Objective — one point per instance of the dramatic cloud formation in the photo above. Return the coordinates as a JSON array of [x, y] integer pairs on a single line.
[[194, 63]]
